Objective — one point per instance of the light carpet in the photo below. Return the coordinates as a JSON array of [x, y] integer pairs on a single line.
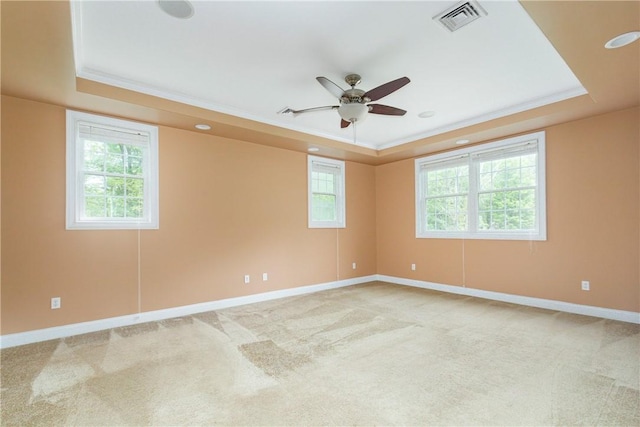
[[373, 354]]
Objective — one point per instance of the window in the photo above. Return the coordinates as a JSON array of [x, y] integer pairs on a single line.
[[326, 193], [112, 173], [489, 191]]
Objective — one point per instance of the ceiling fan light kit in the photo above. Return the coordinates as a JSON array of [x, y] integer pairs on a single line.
[[353, 112]]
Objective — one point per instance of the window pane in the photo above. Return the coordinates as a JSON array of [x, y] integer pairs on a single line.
[[115, 148], [94, 184], [322, 182], [506, 210], [529, 160], [446, 213], [134, 165], [93, 156], [512, 172], [484, 202], [135, 187], [115, 186], [134, 150], [528, 219], [115, 207], [445, 195], [134, 208], [114, 163], [512, 208], [94, 207], [453, 180], [528, 199], [528, 177], [324, 207]]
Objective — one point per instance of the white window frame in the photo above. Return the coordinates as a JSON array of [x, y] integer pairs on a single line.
[[75, 220], [339, 165], [470, 154]]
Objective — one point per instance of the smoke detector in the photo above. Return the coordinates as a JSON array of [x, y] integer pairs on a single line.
[[460, 15]]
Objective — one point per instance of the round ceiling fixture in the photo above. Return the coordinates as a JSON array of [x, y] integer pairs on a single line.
[[462, 141], [181, 9], [313, 149], [622, 40], [426, 114], [202, 126], [353, 112]]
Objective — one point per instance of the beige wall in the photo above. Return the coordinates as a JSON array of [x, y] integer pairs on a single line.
[[227, 208], [593, 224]]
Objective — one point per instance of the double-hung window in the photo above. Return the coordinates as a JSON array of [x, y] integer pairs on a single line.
[[112, 173], [489, 191], [326, 193]]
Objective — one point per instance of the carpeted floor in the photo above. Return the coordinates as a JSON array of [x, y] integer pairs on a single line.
[[373, 354]]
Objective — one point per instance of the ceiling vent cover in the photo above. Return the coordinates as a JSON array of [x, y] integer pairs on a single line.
[[460, 15]]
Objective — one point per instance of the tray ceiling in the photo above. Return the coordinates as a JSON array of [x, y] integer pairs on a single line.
[[252, 59]]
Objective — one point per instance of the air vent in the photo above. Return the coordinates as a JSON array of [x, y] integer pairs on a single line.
[[460, 15]]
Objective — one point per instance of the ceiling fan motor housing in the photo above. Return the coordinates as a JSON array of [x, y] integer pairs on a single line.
[[354, 96]]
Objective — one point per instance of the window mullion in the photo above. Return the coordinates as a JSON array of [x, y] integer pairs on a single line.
[[472, 201], [80, 177]]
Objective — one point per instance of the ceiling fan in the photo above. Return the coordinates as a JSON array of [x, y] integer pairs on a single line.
[[354, 105]]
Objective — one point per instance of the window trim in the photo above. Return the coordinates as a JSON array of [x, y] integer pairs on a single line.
[[540, 232], [75, 155], [340, 193]]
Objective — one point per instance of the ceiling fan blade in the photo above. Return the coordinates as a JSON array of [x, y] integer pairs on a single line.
[[386, 89], [344, 123], [333, 88], [288, 110], [385, 109]]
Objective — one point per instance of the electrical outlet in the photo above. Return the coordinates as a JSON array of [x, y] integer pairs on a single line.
[[353, 265], [265, 277], [413, 267], [247, 278], [55, 303], [585, 285]]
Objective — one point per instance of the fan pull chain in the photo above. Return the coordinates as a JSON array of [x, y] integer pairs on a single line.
[[354, 133]]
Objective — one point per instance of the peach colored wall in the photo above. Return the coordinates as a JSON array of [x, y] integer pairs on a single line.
[[593, 220], [227, 208], [230, 208]]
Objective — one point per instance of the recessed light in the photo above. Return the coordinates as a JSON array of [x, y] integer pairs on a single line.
[[313, 149], [462, 141], [426, 114], [622, 40], [181, 9], [202, 126]]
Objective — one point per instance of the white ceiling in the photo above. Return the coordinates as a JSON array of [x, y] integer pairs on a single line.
[[252, 59]]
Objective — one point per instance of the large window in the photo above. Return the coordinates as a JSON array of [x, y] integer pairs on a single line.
[[489, 191], [112, 173], [326, 193]]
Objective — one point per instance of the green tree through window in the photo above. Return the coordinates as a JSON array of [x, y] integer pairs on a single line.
[[494, 190]]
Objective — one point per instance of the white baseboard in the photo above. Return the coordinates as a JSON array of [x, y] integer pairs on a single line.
[[29, 337], [586, 310]]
